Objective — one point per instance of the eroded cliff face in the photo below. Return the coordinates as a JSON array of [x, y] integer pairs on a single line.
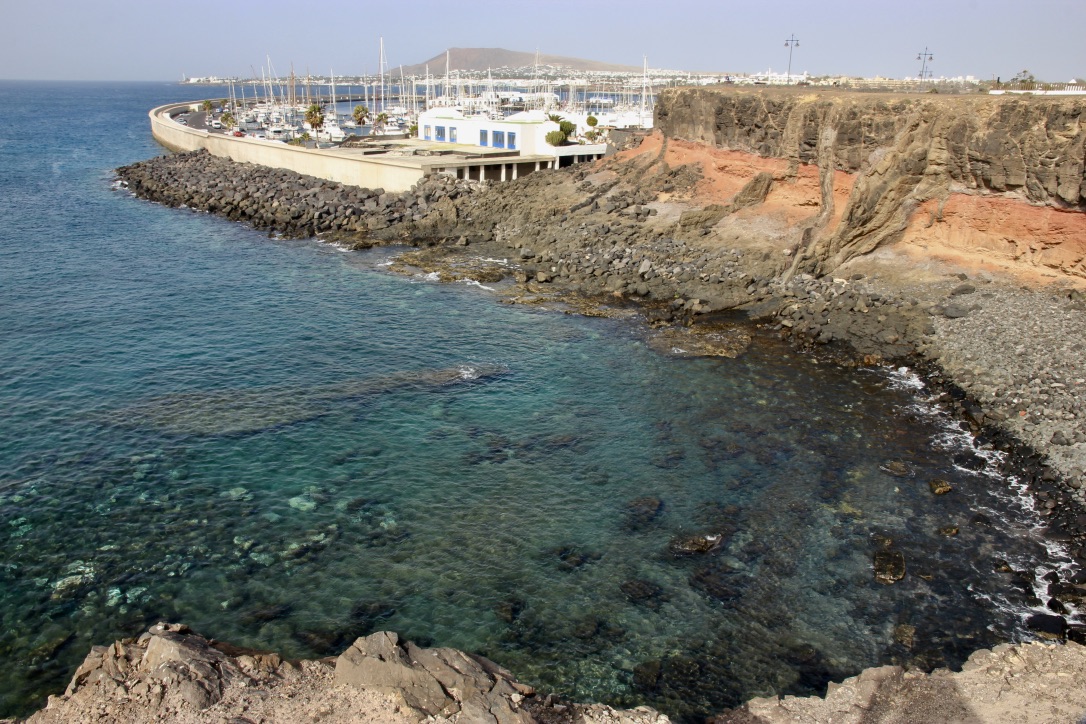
[[997, 177]]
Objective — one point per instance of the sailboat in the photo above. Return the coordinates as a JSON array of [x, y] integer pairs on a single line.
[[391, 127]]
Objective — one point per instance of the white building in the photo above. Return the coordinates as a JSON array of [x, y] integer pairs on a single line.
[[524, 133]]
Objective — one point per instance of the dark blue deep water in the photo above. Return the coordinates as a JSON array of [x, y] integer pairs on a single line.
[[282, 446]]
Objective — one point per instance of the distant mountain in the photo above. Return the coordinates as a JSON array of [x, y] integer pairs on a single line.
[[480, 59]]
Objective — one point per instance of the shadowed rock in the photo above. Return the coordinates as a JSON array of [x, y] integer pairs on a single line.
[[889, 566]]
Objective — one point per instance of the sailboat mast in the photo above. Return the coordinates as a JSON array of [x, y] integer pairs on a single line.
[[381, 73]]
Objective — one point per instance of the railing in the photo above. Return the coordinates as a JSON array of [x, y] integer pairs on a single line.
[[1039, 88]]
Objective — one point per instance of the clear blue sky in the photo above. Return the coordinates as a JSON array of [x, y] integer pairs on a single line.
[[157, 40]]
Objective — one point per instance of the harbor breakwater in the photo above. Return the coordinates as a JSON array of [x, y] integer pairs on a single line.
[[689, 230]]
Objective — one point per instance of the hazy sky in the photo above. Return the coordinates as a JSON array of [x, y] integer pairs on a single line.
[[157, 40]]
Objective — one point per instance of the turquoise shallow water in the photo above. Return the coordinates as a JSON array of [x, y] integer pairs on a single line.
[[282, 446]]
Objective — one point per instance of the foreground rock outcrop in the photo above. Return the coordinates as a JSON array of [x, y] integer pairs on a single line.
[[1024, 684], [172, 674]]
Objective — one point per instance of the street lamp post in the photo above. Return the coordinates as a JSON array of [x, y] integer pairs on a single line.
[[926, 57], [790, 43]]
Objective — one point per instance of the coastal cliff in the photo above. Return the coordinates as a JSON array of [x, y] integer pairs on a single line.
[[994, 175]]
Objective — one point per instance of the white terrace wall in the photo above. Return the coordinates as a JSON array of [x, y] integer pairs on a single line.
[[368, 173]]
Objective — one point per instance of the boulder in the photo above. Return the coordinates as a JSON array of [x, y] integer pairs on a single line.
[[439, 682]]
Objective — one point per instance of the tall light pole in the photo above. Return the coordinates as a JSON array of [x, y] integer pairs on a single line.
[[790, 43], [926, 58]]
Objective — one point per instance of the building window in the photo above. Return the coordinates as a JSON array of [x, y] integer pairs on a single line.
[[482, 138], [426, 133], [512, 140], [499, 139], [440, 136], [452, 135]]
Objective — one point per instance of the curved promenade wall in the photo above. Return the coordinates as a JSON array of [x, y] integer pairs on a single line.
[[372, 173]]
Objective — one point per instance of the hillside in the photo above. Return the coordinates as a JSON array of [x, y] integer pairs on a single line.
[[481, 59]]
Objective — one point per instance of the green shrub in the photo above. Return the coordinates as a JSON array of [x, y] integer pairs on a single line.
[[555, 138]]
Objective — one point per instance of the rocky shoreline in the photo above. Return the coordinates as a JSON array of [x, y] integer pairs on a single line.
[[170, 673], [628, 234]]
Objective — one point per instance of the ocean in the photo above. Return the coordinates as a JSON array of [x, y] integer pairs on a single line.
[[284, 446]]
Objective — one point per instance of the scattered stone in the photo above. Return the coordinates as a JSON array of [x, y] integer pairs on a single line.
[[939, 486], [889, 566], [955, 311]]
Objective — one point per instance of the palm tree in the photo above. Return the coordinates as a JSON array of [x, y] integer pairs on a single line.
[[361, 113], [381, 122], [314, 116], [228, 119]]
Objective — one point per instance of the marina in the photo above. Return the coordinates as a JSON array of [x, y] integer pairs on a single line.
[[390, 103]]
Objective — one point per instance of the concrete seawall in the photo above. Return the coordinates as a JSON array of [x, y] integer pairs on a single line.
[[386, 173]]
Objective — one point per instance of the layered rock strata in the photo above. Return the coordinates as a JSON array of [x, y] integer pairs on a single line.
[[995, 174]]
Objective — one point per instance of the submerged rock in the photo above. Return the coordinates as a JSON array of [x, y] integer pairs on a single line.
[[687, 545], [897, 468], [641, 591], [640, 512], [238, 412], [718, 581], [571, 558]]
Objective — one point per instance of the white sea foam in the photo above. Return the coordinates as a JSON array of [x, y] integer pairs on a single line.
[[1011, 492], [338, 245], [904, 378], [472, 282]]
